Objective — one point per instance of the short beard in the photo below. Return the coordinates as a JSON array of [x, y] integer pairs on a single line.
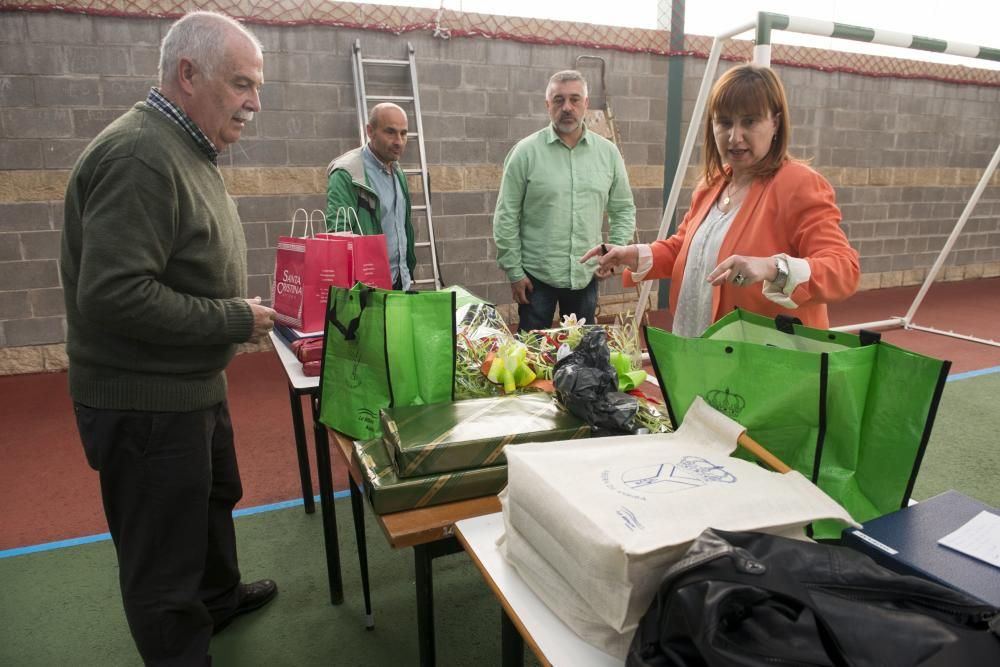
[[568, 127]]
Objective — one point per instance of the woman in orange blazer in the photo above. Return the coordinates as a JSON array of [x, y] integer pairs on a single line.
[[763, 231]]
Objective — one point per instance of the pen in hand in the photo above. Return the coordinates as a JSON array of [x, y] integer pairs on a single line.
[[604, 251]]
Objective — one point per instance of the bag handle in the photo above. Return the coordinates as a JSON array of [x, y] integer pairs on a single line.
[[352, 212], [786, 324], [308, 229], [349, 332], [869, 337], [322, 216], [336, 220], [346, 213]]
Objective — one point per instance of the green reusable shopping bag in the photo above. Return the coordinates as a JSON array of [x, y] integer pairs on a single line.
[[851, 413], [384, 348]]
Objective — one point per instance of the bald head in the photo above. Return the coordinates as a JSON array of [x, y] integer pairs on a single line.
[[387, 129], [387, 110]]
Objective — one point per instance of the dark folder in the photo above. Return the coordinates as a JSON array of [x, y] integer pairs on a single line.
[[290, 335], [907, 541]]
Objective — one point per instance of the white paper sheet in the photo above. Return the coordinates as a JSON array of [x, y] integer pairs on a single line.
[[979, 538]]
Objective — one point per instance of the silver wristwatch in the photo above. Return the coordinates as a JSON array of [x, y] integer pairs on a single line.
[[781, 264]]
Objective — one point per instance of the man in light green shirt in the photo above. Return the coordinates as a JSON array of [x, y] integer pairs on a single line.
[[557, 184]]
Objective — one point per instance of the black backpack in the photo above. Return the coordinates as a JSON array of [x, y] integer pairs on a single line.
[[740, 599]]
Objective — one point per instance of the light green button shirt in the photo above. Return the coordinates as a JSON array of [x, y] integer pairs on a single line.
[[551, 206]]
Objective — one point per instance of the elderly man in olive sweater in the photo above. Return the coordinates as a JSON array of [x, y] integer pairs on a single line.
[[154, 269]]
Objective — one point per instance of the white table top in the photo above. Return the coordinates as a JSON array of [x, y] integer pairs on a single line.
[[560, 645], [293, 367]]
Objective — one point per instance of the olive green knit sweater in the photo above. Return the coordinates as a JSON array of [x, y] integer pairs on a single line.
[[154, 270]]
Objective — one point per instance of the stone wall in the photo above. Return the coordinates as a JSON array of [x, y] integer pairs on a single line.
[[903, 154]]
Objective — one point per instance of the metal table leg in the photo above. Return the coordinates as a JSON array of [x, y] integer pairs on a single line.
[[511, 643], [425, 604], [300, 450], [326, 504], [358, 509], [423, 554]]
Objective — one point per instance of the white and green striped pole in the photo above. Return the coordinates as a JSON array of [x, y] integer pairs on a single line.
[[766, 22]]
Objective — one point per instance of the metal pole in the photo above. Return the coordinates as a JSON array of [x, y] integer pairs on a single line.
[[692, 135], [675, 112], [977, 193]]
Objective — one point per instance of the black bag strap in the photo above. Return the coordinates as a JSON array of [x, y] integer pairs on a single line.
[[785, 324], [349, 332], [869, 337]]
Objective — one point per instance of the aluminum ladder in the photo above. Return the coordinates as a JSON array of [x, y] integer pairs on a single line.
[[362, 100]]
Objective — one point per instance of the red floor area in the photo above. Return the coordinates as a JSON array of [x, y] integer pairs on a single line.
[[971, 308], [48, 493]]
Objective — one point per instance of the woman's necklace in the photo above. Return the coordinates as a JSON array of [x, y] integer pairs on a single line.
[[732, 193]]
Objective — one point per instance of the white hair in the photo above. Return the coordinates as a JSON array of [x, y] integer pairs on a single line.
[[200, 37], [562, 77]]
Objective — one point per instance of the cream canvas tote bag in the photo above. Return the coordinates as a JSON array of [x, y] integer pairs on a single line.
[[595, 522]]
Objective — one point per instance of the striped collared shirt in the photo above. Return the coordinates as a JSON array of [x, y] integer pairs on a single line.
[[176, 114]]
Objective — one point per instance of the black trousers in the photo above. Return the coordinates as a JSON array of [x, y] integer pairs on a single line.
[[540, 310], [169, 482]]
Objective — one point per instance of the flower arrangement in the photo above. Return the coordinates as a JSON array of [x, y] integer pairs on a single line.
[[492, 361]]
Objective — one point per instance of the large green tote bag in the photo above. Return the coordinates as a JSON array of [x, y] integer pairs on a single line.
[[384, 348], [850, 412]]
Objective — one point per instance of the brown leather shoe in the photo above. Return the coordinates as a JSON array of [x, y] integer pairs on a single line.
[[252, 597]]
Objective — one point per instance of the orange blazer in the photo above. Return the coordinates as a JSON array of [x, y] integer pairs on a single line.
[[793, 212]]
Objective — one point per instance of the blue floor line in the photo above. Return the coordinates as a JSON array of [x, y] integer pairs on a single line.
[[51, 546], [77, 541], [62, 544], [971, 374]]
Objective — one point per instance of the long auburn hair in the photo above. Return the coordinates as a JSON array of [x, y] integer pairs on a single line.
[[741, 91]]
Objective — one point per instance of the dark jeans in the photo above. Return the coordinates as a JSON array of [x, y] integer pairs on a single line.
[[169, 482], [542, 301]]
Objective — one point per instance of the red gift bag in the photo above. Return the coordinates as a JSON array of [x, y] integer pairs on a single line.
[[304, 269], [370, 261], [369, 256], [289, 275], [328, 262]]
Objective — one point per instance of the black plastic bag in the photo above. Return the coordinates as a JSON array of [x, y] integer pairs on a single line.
[[587, 384]]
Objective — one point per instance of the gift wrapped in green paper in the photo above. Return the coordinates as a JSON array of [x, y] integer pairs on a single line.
[[388, 493], [445, 437]]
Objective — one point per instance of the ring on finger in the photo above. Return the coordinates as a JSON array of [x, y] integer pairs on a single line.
[[739, 280]]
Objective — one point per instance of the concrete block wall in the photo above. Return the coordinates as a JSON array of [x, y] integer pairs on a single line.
[[904, 155]]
